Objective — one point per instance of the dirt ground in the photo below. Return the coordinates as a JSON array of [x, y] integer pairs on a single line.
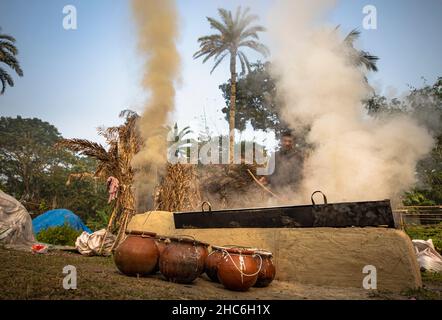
[[30, 276]]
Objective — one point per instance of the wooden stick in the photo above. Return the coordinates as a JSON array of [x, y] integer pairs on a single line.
[[261, 185]]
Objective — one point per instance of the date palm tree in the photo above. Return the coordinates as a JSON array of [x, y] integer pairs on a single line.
[[235, 32], [8, 52]]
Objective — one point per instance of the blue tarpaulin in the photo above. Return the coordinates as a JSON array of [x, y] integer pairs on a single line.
[[56, 218]]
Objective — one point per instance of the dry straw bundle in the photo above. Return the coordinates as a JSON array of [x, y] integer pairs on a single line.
[[179, 189]]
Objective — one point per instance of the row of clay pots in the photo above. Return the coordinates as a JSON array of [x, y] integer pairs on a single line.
[[240, 268], [179, 259], [183, 259]]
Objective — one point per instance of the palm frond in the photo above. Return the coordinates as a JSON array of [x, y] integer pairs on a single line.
[[246, 21], [215, 24], [12, 62], [7, 45], [226, 17], [252, 32], [85, 147], [218, 61], [5, 78], [368, 60], [127, 113], [246, 61], [243, 63], [7, 37], [3, 82], [110, 134], [262, 49], [352, 37], [210, 38]]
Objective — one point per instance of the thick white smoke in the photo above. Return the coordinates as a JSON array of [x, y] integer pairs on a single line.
[[355, 157]]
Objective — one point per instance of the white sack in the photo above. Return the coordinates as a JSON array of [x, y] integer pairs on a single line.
[[90, 244], [427, 256], [15, 222]]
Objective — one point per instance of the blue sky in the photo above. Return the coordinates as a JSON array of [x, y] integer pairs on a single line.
[[79, 80]]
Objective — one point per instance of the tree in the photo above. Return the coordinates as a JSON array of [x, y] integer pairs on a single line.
[[256, 100], [27, 153], [32, 170], [234, 33], [8, 52]]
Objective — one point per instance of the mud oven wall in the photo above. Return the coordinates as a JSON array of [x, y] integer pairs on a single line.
[[317, 256]]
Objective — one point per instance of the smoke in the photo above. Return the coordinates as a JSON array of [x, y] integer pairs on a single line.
[[157, 32], [355, 157]]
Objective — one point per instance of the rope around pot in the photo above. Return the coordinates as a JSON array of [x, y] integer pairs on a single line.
[[242, 273]]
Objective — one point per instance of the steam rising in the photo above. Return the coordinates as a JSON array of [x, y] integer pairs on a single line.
[[157, 27], [355, 157]]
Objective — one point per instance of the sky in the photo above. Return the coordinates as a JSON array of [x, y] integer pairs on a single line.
[[81, 79]]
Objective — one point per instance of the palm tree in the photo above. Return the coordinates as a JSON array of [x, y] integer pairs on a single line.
[[8, 51], [234, 32], [360, 57]]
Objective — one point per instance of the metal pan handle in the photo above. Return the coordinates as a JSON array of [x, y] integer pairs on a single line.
[[323, 195], [204, 205]]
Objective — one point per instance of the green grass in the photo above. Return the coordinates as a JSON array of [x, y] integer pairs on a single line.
[[426, 232], [40, 276]]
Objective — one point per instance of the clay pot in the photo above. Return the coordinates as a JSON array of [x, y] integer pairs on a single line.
[[212, 260], [268, 270], [137, 255], [238, 269], [182, 261]]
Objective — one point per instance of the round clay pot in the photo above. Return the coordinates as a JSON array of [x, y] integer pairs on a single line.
[[268, 270], [212, 260], [182, 261], [238, 269], [137, 255]]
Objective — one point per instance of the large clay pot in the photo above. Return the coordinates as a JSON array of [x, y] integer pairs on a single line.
[[239, 268], [183, 260], [137, 255], [268, 270], [212, 261]]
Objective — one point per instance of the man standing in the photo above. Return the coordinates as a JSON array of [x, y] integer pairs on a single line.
[[285, 166]]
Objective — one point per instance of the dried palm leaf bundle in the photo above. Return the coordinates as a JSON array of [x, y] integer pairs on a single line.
[[124, 143], [179, 189]]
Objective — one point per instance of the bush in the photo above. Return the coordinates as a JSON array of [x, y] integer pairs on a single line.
[[62, 235], [418, 198]]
